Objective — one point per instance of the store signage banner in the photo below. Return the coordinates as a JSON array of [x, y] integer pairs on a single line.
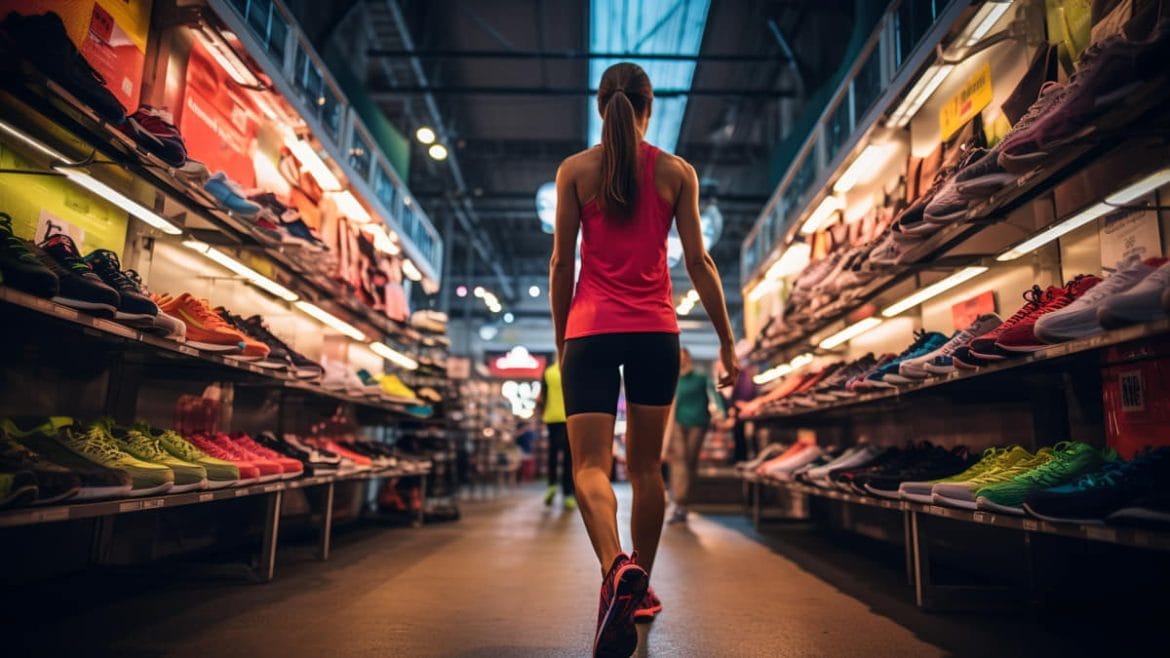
[[970, 100], [1128, 233], [517, 363], [965, 312], [218, 124]]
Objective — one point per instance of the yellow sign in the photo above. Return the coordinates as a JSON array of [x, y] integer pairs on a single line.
[[969, 101]]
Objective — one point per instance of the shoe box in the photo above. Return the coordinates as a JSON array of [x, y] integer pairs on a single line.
[[1136, 391]]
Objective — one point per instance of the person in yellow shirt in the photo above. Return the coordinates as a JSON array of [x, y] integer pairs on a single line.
[[552, 411]]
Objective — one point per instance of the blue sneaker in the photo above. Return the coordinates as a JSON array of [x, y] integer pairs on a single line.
[[924, 343], [229, 196], [1097, 495]]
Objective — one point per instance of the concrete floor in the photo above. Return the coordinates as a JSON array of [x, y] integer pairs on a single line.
[[514, 578]]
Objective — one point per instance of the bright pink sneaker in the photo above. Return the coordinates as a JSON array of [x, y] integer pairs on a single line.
[[249, 472], [269, 470], [290, 467], [621, 593], [648, 608]]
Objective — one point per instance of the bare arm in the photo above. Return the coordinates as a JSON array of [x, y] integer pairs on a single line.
[[560, 279], [704, 274]]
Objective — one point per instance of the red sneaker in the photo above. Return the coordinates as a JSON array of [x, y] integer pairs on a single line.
[[249, 473], [1021, 338], [984, 347], [361, 461], [621, 592], [269, 470], [290, 467], [648, 608]]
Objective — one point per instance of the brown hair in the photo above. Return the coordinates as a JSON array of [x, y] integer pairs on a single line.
[[623, 96]]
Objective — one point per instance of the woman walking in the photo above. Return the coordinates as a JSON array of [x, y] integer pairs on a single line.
[[692, 416], [620, 197]]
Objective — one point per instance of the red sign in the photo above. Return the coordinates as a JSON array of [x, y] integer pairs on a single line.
[[965, 312], [217, 122], [516, 364]]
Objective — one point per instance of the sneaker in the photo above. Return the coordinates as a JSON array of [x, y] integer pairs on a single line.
[[230, 196], [395, 390], [97, 444], [249, 472], [254, 350], [988, 175], [621, 594], [790, 451], [339, 378], [194, 172], [924, 343], [163, 325], [301, 366], [851, 480], [293, 229], [1100, 493], [1144, 302], [220, 473], [982, 350], [40, 436], [20, 267], [316, 461], [43, 42], [570, 503], [940, 361], [783, 469], [769, 451], [1021, 338], [1079, 319], [550, 495], [1069, 461], [292, 468], [205, 330], [890, 252], [919, 491], [834, 388], [270, 469], [934, 463], [963, 494], [133, 306], [359, 462], [80, 286], [189, 476], [54, 482], [962, 359], [153, 128], [648, 608], [854, 457], [950, 204]]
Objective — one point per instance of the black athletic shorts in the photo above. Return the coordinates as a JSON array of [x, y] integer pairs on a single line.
[[591, 379]]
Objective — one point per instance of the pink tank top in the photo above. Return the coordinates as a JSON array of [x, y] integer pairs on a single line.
[[624, 285]]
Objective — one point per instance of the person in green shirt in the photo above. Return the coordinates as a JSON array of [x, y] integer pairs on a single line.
[[689, 421], [551, 404]]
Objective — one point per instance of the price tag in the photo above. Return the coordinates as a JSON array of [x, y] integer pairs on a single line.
[[1100, 534], [983, 517], [1031, 525], [205, 497], [241, 492], [154, 504], [55, 514], [130, 506]]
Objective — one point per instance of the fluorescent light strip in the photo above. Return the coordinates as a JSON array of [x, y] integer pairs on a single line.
[[849, 333], [34, 143], [250, 275], [919, 94], [865, 163], [313, 162], [933, 290], [121, 200], [1140, 188], [410, 270], [394, 356], [817, 219], [772, 374], [227, 58], [335, 322], [794, 259], [990, 12]]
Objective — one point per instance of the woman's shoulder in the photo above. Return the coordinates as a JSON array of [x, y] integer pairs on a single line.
[[589, 158]]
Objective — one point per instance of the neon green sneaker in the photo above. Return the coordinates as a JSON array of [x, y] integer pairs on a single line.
[[570, 503], [1070, 460], [550, 494], [963, 494], [920, 492], [220, 473], [188, 476], [96, 444]]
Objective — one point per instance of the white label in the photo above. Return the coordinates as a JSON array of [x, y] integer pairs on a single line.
[[1129, 233]]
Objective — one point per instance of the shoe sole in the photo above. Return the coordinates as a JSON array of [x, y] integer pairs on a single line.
[[647, 615], [184, 488], [939, 370], [270, 478], [987, 357], [943, 501], [1022, 349], [152, 491], [82, 305], [1057, 519], [924, 499], [292, 475], [246, 483], [984, 185], [95, 493], [883, 493], [213, 347], [1140, 514], [985, 503], [221, 484], [56, 499], [632, 583], [948, 218], [140, 320]]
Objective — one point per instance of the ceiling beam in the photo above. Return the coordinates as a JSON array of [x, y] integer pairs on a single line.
[[385, 94], [571, 55]]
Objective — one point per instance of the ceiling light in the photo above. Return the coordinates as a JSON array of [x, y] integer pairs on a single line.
[[849, 333], [250, 275], [227, 57], [1140, 188], [425, 134], [121, 200], [864, 166], [479, 291], [982, 22], [333, 321], [794, 259], [772, 374], [349, 206], [437, 152], [933, 290], [534, 291], [919, 94], [461, 291], [313, 162], [394, 356], [35, 143], [821, 215], [508, 317], [409, 269]]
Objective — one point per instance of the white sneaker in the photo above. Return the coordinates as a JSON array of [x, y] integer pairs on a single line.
[[1141, 303], [916, 368]]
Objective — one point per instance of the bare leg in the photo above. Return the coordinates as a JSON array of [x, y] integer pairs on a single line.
[[591, 442], [677, 455], [644, 435]]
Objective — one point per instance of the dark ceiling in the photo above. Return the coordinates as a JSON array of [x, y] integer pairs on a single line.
[[512, 120]]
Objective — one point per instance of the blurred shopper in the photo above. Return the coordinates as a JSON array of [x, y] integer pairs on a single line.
[[620, 197], [551, 405], [735, 400], [692, 416]]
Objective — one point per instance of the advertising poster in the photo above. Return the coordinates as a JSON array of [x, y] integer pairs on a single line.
[[217, 123]]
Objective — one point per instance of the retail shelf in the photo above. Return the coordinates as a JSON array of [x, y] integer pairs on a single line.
[[1027, 188], [69, 512], [109, 330], [1126, 536], [1063, 350]]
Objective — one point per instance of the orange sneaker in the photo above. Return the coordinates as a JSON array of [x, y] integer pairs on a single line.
[[254, 350], [205, 329]]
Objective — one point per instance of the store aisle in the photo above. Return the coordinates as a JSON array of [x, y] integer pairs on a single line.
[[513, 578]]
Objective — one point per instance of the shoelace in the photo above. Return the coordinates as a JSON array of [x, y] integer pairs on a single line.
[[1056, 469], [204, 313], [96, 441], [146, 445], [261, 331], [1034, 298], [1050, 92], [1064, 296], [13, 244], [106, 263]]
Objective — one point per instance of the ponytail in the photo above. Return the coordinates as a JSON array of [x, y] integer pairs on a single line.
[[619, 156]]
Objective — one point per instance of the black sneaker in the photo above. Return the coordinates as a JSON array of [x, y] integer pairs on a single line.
[[133, 305], [43, 41], [302, 366], [54, 482], [40, 435], [21, 267], [81, 287], [930, 464], [278, 356], [317, 462]]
